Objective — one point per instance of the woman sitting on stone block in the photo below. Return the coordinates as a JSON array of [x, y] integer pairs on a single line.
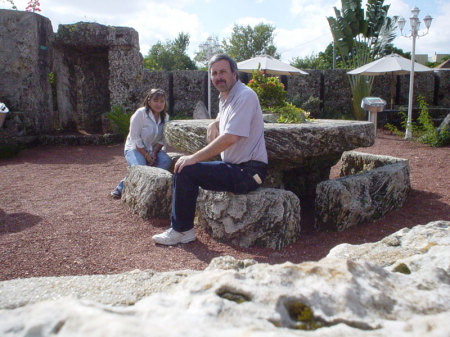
[[144, 141]]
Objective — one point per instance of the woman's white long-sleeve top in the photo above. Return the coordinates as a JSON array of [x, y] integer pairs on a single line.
[[144, 131]]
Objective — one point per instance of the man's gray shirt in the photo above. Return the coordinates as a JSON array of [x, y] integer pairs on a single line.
[[240, 114]]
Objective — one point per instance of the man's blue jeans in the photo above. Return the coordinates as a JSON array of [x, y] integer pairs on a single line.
[[215, 176], [134, 157]]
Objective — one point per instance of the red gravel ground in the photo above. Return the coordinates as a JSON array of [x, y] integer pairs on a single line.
[[56, 216]]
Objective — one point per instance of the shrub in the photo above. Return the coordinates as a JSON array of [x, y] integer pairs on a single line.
[[403, 120], [334, 112], [428, 134], [312, 105], [290, 114], [272, 97], [120, 119], [423, 130], [296, 100], [270, 90]]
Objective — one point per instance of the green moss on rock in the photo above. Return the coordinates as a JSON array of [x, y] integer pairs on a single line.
[[402, 268], [303, 316], [233, 296]]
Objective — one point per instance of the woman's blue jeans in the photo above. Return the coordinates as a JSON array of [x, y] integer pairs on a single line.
[[134, 157]]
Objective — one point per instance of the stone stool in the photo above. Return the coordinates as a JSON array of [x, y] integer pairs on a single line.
[[371, 186], [267, 217], [147, 191]]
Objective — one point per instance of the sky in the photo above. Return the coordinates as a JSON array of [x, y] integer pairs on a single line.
[[301, 27]]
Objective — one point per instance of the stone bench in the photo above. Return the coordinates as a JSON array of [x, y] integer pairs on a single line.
[[371, 186], [174, 156], [147, 191], [267, 217]]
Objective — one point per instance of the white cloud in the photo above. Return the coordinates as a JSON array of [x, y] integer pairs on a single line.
[[313, 34], [301, 8], [301, 42], [398, 7], [304, 31], [436, 41], [164, 23], [245, 21], [153, 20]]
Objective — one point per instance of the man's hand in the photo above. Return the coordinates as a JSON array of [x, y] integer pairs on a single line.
[[153, 157], [150, 158], [212, 132], [182, 162], [218, 145]]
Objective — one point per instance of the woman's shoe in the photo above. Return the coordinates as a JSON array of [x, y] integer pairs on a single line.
[[116, 194]]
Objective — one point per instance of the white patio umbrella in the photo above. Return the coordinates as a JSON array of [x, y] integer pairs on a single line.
[[269, 65], [393, 64]]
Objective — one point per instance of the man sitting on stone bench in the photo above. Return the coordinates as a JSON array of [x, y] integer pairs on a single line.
[[238, 135]]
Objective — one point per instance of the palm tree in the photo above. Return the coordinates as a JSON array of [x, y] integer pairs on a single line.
[[360, 39]]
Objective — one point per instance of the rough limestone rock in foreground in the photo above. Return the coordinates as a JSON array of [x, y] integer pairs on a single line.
[[409, 296], [355, 199], [406, 246], [147, 191], [267, 217]]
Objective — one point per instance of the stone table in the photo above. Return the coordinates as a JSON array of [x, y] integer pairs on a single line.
[[300, 155]]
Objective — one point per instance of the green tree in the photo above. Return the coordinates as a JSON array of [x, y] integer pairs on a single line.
[[327, 55], [314, 61], [247, 42], [322, 60], [170, 55], [206, 50], [390, 48], [13, 5], [361, 38]]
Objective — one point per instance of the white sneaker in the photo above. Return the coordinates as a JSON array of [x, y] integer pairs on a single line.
[[171, 237]]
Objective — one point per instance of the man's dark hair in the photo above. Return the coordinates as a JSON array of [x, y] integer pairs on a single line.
[[220, 57]]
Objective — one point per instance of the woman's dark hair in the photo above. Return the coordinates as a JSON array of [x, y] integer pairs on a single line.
[[220, 57], [156, 93]]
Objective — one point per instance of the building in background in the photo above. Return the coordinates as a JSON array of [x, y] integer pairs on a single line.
[[438, 57]]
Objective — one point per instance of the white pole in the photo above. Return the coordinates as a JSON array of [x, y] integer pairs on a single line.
[[209, 92], [415, 25], [408, 131]]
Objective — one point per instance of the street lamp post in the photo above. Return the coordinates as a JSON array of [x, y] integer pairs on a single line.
[[415, 24], [210, 47]]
